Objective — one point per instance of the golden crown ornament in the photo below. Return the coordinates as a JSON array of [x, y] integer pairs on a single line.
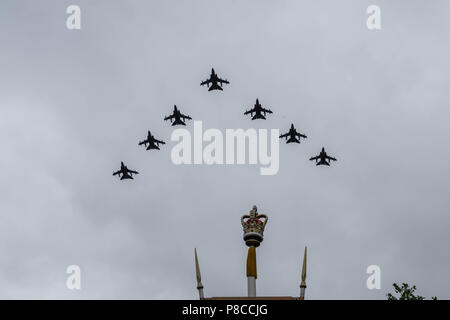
[[253, 227]]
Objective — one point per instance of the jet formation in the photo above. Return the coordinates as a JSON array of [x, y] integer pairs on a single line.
[[257, 112]]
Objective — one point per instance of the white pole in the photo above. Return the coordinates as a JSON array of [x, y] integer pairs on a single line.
[[200, 293], [251, 286]]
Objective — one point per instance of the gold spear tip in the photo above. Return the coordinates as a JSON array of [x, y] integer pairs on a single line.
[[303, 283], [197, 271]]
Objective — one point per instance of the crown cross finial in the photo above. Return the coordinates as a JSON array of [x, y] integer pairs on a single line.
[[253, 212]]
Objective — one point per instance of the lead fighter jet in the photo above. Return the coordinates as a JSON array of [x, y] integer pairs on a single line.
[[214, 80], [177, 115], [125, 172], [152, 142], [293, 135], [322, 158], [258, 110]]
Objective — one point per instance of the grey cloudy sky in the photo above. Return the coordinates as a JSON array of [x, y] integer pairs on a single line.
[[73, 104]]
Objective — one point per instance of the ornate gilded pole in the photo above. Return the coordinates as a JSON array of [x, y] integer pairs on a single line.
[[253, 236]]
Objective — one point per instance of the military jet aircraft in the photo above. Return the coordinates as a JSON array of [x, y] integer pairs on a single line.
[[258, 110], [214, 81], [293, 135], [178, 116], [322, 158], [152, 142], [125, 172]]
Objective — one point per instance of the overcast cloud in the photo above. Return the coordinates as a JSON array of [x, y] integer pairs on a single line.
[[73, 104]]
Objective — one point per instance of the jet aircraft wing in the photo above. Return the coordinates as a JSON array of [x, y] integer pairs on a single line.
[[143, 142], [205, 82], [222, 81], [159, 141]]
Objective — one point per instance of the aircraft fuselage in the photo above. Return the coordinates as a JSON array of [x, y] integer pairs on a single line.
[[293, 139], [178, 120], [323, 161], [125, 175], [258, 115]]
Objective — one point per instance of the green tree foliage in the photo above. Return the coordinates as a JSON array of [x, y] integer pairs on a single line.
[[405, 292]]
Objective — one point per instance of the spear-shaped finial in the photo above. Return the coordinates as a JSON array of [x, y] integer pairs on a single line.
[[199, 277], [303, 283]]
